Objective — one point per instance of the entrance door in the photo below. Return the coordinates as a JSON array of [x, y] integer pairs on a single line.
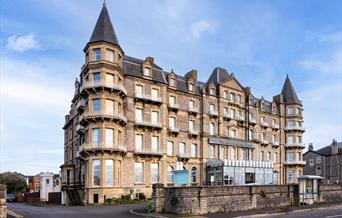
[[96, 198]]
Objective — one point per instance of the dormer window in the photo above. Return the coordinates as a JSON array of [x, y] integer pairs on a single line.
[[172, 82], [274, 109], [97, 54], [225, 94], [211, 91], [110, 55], [191, 87], [147, 71]]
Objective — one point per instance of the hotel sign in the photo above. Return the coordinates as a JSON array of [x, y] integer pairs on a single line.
[[233, 142]]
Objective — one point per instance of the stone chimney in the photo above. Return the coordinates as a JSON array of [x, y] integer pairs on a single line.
[[334, 147], [311, 147]]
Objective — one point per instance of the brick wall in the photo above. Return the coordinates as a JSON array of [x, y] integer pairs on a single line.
[[202, 200]]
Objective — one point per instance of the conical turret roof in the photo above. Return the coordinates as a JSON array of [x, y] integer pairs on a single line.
[[288, 92], [104, 30]]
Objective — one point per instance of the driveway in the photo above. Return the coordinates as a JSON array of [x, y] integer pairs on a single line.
[[59, 211]]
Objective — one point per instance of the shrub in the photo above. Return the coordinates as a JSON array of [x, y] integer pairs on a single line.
[[140, 196], [149, 207]]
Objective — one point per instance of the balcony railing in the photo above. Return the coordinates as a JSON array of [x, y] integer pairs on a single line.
[[104, 83], [106, 114], [228, 116], [102, 147], [264, 141], [295, 162], [173, 106], [213, 113], [252, 120], [255, 138], [275, 143], [193, 109], [193, 132], [275, 126], [148, 97], [264, 124], [148, 123], [182, 155], [295, 145], [289, 128], [173, 129], [248, 163], [239, 118], [152, 152]]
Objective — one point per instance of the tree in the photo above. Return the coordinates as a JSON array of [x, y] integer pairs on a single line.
[[14, 182]]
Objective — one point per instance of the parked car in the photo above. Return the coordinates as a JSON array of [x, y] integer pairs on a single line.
[[10, 197]]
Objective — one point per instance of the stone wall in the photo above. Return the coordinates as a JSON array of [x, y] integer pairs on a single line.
[[3, 203], [330, 193], [202, 200]]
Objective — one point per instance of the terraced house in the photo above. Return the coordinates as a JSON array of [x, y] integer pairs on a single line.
[[132, 124]]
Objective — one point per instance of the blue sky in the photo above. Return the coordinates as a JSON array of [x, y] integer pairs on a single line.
[[260, 41]]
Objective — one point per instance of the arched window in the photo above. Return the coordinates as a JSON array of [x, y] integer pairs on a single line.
[[212, 129], [194, 175], [170, 174]]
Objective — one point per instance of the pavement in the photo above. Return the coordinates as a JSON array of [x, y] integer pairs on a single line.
[[59, 211], [122, 211]]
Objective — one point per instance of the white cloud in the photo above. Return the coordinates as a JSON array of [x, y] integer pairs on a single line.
[[331, 64], [22, 43], [202, 26]]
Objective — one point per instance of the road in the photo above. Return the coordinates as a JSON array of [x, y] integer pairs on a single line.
[[121, 211], [332, 211], [59, 211]]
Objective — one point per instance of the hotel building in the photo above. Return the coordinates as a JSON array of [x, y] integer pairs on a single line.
[[132, 124]]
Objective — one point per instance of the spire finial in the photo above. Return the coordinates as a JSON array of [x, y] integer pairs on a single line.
[[104, 3]]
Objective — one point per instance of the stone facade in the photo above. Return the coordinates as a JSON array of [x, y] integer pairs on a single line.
[[132, 124], [325, 162]]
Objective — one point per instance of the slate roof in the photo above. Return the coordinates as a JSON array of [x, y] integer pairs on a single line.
[[218, 75], [288, 92], [104, 30], [133, 67], [327, 149]]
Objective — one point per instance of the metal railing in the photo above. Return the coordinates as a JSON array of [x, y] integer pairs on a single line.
[[193, 132], [193, 109], [294, 128], [295, 144], [173, 106], [295, 162], [213, 112], [148, 123], [148, 97], [173, 129], [144, 151]]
